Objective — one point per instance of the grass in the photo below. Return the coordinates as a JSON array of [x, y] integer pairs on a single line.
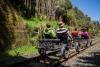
[[23, 50], [15, 55], [32, 22], [54, 24]]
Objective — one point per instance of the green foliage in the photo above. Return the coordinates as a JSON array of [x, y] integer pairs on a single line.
[[68, 4], [32, 22], [8, 22], [23, 50], [54, 24], [79, 13], [36, 21], [71, 14], [11, 12]]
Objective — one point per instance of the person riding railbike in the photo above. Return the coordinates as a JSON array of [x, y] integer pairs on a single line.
[[63, 34], [49, 32], [76, 38], [85, 36], [75, 34]]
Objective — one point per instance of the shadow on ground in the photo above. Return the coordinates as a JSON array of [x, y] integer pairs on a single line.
[[9, 61], [6, 59], [92, 61]]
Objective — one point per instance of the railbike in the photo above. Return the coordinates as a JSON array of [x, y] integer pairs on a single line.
[[50, 45]]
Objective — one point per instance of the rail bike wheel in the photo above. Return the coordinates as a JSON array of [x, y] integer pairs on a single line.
[[42, 51]]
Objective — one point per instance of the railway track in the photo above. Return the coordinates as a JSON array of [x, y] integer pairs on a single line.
[[36, 59], [73, 55], [51, 60]]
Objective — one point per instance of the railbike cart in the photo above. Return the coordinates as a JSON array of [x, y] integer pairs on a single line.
[[51, 45], [48, 45]]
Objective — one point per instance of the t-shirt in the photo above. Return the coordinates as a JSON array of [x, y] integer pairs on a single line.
[[62, 34], [75, 33], [85, 35], [49, 33]]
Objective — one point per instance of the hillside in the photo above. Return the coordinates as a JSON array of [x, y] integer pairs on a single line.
[[23, 20]]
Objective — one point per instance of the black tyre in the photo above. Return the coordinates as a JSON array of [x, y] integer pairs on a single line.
[[42, 51]]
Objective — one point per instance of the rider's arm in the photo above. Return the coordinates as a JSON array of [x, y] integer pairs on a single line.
[[69, 35], [89, 35]]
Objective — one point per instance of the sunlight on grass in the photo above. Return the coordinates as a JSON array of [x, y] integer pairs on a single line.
[[24, 50], [33, 23]]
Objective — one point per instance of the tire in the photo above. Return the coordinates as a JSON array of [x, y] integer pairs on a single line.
[[42, 51]]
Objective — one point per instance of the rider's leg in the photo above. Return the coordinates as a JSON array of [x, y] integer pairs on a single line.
[[77, 46], [87, 42], [63, 49]]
